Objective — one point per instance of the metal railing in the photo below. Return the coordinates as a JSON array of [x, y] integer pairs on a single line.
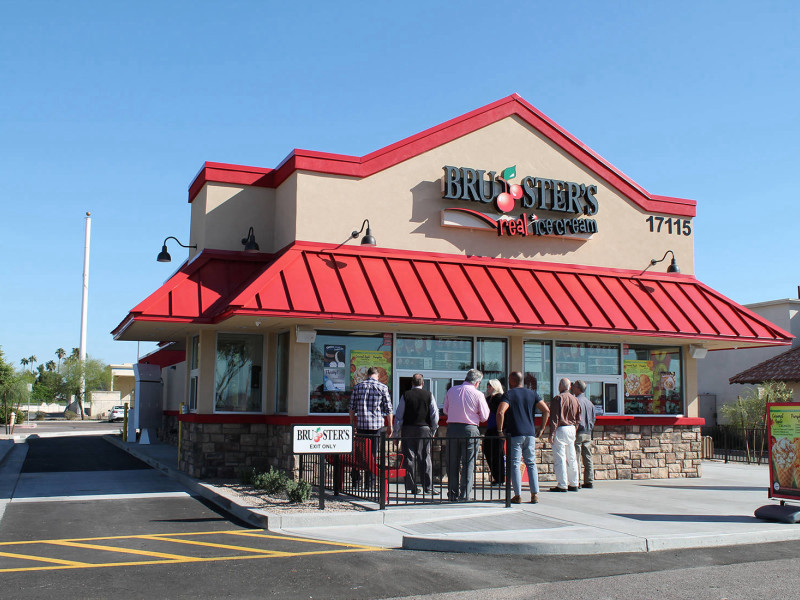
[[379, 470], [737, 444]]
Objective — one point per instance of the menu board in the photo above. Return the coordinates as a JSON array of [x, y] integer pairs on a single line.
[[362, 360], [784, 449]]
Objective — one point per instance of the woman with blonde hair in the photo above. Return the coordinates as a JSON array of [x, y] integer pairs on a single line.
[[493, 446]]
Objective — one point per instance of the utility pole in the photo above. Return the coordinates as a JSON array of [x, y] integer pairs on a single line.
[[84, 310]]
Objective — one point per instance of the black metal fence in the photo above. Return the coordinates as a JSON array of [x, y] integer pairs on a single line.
[[737, 444], [384, 471]]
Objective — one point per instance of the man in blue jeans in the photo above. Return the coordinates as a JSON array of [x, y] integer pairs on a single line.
[[515, 419]]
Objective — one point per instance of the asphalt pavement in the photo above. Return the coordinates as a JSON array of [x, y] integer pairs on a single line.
[[613, 517]]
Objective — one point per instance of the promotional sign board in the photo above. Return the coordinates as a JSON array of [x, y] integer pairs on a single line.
[[322, 439], [783, 423]]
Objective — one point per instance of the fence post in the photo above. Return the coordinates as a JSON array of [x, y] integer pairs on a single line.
[[321, 481], [336, 479], [382, 486]]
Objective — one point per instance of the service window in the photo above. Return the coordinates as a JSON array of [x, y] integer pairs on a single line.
[[238, 373], [538, 370], [653, 380], [339, 360]]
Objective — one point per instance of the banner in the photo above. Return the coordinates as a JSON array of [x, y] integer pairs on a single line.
[[361, 360], [783, 421], [334, 368]]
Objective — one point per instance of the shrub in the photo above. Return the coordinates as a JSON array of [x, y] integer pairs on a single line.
[[272, 482], [5, 416], [247, 475], [70, 416], [41, 416], [298, 491]]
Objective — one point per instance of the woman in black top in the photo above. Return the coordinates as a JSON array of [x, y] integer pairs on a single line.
[[494, 448]]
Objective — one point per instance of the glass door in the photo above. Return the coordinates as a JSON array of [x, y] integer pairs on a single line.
[[602, 391]]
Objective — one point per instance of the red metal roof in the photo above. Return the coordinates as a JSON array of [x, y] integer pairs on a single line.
[[356, 283]]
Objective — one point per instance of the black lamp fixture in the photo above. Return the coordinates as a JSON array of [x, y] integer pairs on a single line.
[[673, 266], [367, 240], [164, 256], [249, 242]]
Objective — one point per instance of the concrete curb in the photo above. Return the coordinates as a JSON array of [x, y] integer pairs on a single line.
[[610, 545]]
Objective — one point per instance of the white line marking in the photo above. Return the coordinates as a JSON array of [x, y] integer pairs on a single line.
[[90, 497]]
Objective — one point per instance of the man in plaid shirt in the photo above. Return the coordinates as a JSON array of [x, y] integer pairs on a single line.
[[370, 410]]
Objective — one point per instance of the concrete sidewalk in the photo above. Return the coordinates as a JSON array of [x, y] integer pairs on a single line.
[[615, 516]]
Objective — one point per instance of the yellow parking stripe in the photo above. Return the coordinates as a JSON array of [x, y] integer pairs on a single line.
[[122, 550], [211, 545], [57, 561], [306, 540]]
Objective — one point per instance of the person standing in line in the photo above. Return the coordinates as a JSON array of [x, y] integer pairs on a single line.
[[583, 437], [465, 407], [521, 403], [494, 448], [565, 412], [416, 420], [370, 412]]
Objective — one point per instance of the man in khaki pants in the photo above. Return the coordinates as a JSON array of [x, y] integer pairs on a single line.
[[583, 437]]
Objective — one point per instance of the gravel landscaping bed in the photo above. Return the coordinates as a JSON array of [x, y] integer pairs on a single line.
[[247, 495]]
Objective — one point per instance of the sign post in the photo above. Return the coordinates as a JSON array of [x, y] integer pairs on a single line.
[[322, 440]]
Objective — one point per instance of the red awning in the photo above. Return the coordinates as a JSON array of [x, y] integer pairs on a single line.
[[318, 281]]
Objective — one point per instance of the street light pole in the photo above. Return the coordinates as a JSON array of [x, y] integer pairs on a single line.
[[84, 309]]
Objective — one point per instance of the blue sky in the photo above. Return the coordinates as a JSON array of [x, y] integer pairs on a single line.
[[113, 107]]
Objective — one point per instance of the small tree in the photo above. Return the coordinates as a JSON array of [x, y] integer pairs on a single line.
[[97, 373], [13, 391], [750, 410]]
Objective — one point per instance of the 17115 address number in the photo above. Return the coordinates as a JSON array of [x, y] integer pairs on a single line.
[[669, 226]]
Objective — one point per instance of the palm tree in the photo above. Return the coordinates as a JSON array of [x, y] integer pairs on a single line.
[[50, 365], [60, 353], [76, 353], [32, 359], [24, 362]]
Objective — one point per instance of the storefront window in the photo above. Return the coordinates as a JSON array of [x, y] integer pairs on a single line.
[[538, 368], [339, 360], [430, 352], [237, 377], [587, 359], [491, 360], [282, 373], [653, 380]]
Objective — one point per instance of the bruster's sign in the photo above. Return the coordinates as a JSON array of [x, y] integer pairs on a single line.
[[534, 193]]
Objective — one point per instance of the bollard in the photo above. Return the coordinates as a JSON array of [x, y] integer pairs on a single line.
[[180, 429], [125, 423]]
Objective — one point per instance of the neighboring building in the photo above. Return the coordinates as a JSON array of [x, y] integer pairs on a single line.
[[123, 382], [717, 368], [561, 274], [783, 368]]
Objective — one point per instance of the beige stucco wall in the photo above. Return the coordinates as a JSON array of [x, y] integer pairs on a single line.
[[223, 213], [404, 203]]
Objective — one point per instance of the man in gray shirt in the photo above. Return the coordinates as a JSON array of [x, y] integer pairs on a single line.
[[583, 437]]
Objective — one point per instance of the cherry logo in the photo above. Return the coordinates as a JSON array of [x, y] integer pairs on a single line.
[[506, 200], [318, 435]]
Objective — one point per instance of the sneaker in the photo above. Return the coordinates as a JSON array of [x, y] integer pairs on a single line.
[[588, 485], [557, 489], [572, 488], [516, 500], [534, 498]]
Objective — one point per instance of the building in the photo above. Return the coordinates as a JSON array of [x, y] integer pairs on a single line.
[[503, 243], [717, 368], [782, 368]]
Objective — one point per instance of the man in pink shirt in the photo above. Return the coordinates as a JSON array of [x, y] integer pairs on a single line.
[[465, 407]]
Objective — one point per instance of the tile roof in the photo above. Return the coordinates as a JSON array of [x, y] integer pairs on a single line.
[[784, 367]]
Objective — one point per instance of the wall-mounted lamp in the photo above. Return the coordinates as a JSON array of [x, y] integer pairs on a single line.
[[249, 242], [697, 352], [367, 240], [164, 256], [673, 266]]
